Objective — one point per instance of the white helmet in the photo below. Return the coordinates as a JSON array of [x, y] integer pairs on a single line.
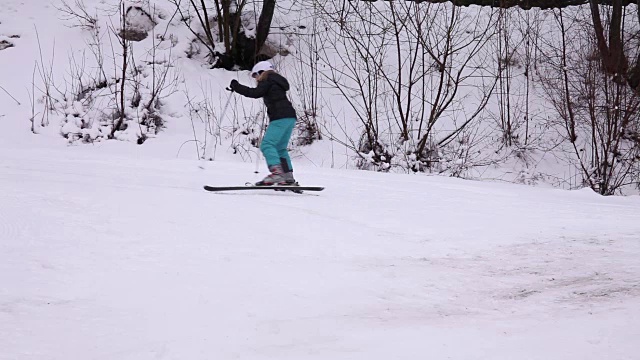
[[261, 66]]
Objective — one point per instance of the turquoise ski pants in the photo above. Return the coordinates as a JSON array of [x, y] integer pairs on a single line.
[[275, 142]]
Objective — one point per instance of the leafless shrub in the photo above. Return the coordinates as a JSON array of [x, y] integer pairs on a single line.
[[211, 26], [308, 74], [596, 111], [403, 69], [120, 114], [207, 121], [163, 79], [32, 100], [79, 14], [127, 103], [46, 77]]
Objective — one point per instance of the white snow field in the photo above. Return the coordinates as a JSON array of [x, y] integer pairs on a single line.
[[113, 251], [120, 256]]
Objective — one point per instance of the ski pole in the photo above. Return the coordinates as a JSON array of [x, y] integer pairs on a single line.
[[224, 111], [259, 143]]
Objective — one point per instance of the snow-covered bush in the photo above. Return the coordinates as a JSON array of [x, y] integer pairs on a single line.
[[114, 90]]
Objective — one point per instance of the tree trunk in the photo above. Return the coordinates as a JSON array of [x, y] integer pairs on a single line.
[[612, 54], [526, 4], [633, 76], [226, 25], [264, 23]]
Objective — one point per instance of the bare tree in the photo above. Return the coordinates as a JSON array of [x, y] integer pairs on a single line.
[[610, 31], [358, 38], [598, 112], [404, 69], [456, 49], [307, 71], [79, 14], [124, 57], [221, 21]]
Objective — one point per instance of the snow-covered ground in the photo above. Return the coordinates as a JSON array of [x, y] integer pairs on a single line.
[[124, 256], [114, 251]]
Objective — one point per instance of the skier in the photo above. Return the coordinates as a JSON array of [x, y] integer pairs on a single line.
[[273, 87]]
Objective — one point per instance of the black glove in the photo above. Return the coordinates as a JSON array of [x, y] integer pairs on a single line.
[[234, 84]]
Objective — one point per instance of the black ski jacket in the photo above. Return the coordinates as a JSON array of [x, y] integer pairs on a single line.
[[273, 89]]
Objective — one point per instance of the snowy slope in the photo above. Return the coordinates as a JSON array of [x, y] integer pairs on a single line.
[[43, 35], [113, 250], [104, 256]]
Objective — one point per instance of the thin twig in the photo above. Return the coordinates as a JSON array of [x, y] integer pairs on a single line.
[[14, 99]]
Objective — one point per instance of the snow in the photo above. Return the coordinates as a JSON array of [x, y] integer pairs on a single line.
[[111, 250], [107, 256]]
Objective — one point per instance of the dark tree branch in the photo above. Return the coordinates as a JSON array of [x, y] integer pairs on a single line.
[[264, 23], [528, 4]]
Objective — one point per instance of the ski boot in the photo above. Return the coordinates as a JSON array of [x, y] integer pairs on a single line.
[[289, 180], [275, 178], [288, 173]]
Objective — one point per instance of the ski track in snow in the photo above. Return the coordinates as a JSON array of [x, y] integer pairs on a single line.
[[128, 259]]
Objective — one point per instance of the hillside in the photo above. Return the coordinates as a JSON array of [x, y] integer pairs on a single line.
[[112, 250], [107, 257], [497, 115]]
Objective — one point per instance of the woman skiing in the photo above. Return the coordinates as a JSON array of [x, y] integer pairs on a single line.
[[273, 87]]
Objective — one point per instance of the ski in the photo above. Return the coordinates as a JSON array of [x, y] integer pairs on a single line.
[[296, 189]]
